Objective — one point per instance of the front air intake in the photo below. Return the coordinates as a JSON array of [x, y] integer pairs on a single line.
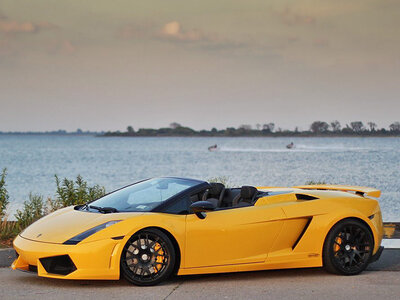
[[32, 269], [61, 265]]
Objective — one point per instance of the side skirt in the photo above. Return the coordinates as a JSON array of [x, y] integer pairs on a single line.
[[300, 263]]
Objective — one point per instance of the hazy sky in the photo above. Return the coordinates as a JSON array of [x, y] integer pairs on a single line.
[[104, 64]]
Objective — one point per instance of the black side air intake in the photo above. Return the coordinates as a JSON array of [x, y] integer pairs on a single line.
[[302, 233], [305, 197], [61, 265]]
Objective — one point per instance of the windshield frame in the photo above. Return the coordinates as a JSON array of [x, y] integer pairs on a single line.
[[158, 208]]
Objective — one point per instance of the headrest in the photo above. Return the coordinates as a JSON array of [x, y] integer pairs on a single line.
[[248, 192], [216, 188]]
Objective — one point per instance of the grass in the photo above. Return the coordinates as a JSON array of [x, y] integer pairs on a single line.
[[8, 231]]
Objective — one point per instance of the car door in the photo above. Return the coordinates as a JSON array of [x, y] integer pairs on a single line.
[[231, 236]]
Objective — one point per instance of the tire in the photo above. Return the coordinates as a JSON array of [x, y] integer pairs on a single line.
[[348, 248], [148, 258]]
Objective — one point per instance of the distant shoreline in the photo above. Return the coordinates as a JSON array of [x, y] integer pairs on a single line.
[[253, 136], [275, 135], [316, 129], [49, 134]]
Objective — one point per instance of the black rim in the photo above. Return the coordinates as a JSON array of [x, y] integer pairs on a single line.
[[145, 257], [352, 248]]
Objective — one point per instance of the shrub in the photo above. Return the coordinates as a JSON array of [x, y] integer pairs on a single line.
[[8, 230], [3, 194], [70, 192], [312, 182], [32, 211], [221, 179]]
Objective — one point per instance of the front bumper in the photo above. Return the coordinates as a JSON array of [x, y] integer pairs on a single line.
[[93, 260]]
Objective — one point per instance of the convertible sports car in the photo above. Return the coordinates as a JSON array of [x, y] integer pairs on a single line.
[[154, 228]]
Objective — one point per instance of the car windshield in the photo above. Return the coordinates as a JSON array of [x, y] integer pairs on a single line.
[[145, 195]]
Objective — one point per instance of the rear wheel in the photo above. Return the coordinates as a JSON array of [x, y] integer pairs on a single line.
[[348, 248], [148, 257]]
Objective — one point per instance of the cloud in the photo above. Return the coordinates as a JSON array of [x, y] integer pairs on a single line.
[[174, 31], [14, 27]]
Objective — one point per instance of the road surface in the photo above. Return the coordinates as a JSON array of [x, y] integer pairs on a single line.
[[380, 281]]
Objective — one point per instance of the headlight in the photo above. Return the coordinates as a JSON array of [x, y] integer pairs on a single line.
[[80, 237]]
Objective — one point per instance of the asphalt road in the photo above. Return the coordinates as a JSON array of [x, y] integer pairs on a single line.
[[380, 281]]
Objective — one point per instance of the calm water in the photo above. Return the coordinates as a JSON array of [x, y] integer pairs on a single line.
[[32, 162]]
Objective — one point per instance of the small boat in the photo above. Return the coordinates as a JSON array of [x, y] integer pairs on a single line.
[[213, 148], [290, 146]]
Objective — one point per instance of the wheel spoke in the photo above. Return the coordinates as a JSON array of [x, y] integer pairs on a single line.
[[160, 249], [153, 243], [135, 269], [131, 256]]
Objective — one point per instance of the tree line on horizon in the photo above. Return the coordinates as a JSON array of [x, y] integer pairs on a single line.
[[53, 132], [317, 128]]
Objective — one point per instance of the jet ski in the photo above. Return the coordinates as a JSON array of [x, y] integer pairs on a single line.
[[213, 148], [290, 146]]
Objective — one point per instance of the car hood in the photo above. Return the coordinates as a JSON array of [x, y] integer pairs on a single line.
[[66, 223]]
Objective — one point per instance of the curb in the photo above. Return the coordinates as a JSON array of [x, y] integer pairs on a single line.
[[389, 261], [7, 256]]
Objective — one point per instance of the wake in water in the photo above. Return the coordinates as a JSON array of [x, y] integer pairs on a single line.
[[297, 148]]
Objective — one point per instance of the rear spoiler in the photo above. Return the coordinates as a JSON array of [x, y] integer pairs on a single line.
[[345, 188]]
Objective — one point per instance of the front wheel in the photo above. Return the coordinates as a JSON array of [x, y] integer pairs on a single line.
[[148, 258], [348, 248]]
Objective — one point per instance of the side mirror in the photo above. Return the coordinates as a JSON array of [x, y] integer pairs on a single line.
[[200, 207]]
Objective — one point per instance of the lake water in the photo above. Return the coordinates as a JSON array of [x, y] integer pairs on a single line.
[[32, 162]]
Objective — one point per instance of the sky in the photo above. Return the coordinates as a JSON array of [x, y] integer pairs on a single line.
[[104, 65]]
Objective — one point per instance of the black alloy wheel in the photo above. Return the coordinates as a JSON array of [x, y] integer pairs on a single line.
[[148, 257], [348, 248]]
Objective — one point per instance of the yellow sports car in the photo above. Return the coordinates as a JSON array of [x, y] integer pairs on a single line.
[[157, 227]]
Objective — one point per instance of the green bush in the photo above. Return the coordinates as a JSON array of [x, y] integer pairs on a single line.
[[220, 179], [8, 230], [3, 194], [32, 211], [70, 192], [312, 182]]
